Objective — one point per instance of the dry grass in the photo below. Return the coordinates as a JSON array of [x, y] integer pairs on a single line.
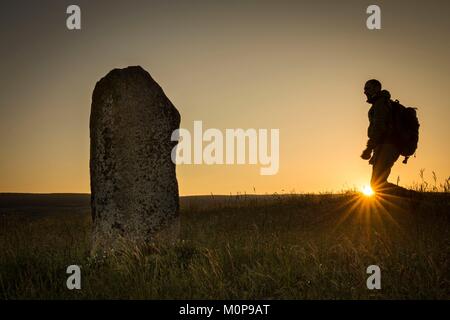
[[246, 247]]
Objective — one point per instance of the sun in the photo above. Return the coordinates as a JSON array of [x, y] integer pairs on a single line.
[[367, 191]]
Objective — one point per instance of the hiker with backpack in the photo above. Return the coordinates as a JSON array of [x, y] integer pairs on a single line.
[[393, 131]]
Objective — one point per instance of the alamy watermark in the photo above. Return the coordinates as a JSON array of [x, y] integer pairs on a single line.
[[74, 280], [374, 280], [373, 22], [228, 148], [73, 21]]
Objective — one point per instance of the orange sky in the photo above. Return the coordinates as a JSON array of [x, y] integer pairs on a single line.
[[295, 66]]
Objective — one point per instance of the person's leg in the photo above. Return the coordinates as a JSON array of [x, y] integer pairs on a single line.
[[379, 169], [384, 158]]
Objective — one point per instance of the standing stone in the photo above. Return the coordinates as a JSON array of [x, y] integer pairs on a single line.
[[134, 189]]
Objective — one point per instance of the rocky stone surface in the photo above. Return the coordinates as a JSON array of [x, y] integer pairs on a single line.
[[134, 190]]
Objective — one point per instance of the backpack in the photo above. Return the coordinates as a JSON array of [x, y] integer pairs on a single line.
[[405, 129]]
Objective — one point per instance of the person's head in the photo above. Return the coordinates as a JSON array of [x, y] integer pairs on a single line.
[[372, 88]]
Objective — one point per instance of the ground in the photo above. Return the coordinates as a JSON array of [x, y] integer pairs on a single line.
[[315, 246]]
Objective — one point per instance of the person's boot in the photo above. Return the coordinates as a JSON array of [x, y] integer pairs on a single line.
[[393, 190]]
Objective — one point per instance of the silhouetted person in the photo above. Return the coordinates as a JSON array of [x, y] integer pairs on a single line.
[[381, 140]]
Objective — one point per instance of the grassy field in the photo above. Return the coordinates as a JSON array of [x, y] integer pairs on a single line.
[[236, 247]]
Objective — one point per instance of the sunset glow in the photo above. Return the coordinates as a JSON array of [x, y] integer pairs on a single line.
[[367, 191], [298, 67]]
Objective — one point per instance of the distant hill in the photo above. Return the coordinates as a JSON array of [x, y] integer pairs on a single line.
[[80, 202], [14, 200]]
